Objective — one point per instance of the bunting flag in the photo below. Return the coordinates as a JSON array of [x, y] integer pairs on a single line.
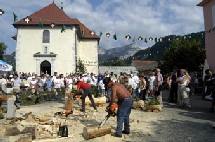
[[156, 39], [14, 17], [107, 34], [140, 38], [114, 37], [160, 39], [27, 20], [145, 40], [63, 29], [150, 39], [133, 40], [41, 23], [1, 12], [100, 34], [52, 25], [128, 37]]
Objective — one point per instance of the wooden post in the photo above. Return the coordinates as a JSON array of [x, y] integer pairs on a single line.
[[10, 109], [94, 131]]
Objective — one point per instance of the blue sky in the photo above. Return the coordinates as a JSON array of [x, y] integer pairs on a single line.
[[146, 18]]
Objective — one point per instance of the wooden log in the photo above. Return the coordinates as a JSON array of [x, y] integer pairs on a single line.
[[138, 104], [21, 138], [100, 100], [157, 107], [10, 109], [5, 97], [153, 107], [93, 132], [69, 104]]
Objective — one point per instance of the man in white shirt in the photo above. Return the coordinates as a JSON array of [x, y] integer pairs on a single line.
[[136, 80], [16, 83], [2, 83]]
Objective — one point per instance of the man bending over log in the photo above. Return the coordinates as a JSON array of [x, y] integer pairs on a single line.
[[125, 103], [86, 92]]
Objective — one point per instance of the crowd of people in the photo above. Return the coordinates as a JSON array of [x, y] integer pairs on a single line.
[[181, 86], [179, 83]]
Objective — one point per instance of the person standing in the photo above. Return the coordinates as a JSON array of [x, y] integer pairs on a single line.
[[142, 88], [158, 85], [151, 83], [106, 79], [100, 85], [81, 85], [136, 80], [173, 90], [125, 103], [183, 95]]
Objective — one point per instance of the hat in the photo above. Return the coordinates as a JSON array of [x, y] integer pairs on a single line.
[[11, 75], [33, 76]]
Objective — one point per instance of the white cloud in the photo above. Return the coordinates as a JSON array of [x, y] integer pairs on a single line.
[[133, 17]]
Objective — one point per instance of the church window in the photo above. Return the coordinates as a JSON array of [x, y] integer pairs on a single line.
[[46, 36], [45, 50]]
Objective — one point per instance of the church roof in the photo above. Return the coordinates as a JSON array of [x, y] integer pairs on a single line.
[[53, 14], [203, 2]]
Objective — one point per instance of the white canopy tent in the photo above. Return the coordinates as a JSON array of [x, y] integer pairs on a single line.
[[5, 66]]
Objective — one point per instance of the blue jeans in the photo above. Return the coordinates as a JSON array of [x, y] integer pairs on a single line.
[[124, 110]]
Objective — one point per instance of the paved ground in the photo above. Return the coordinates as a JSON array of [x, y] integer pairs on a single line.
[[171, 125], [180, 125]]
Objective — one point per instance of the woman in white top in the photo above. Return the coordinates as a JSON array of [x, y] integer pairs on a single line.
[[183, 93]]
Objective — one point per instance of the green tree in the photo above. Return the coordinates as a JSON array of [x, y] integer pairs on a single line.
[[3, 47], [187, 54], [80, 67]]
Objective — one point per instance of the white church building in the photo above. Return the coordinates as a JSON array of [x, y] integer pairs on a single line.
[[50, 41]]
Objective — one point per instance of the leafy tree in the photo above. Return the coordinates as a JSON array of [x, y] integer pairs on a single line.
[[3, 47], [80, 67], [187, 54]]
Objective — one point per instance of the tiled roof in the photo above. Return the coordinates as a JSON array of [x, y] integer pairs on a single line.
[[203, 2], [53, 14], [144, 65]]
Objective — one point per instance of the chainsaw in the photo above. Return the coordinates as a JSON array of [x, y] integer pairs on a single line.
[[112, 111]]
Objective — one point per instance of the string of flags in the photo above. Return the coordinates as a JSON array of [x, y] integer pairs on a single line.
[[108, 34]]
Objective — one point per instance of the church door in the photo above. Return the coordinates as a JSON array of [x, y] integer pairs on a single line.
[[45, 67]]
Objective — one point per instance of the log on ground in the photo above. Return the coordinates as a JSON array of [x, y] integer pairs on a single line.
[[91, 132]]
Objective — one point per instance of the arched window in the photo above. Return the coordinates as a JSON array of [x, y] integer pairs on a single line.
[[46, 36]]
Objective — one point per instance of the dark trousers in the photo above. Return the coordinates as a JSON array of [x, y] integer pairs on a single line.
[[123, 113], [142, 94], [173, 93], [87, 92]]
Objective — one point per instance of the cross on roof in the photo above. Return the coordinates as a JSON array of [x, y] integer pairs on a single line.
[[52, 25], [27, 20]]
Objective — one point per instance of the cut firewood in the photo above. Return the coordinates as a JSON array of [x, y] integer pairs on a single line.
[[100, 100], [138, 104]]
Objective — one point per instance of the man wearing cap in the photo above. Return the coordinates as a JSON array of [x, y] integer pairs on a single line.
[[81, 85]]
